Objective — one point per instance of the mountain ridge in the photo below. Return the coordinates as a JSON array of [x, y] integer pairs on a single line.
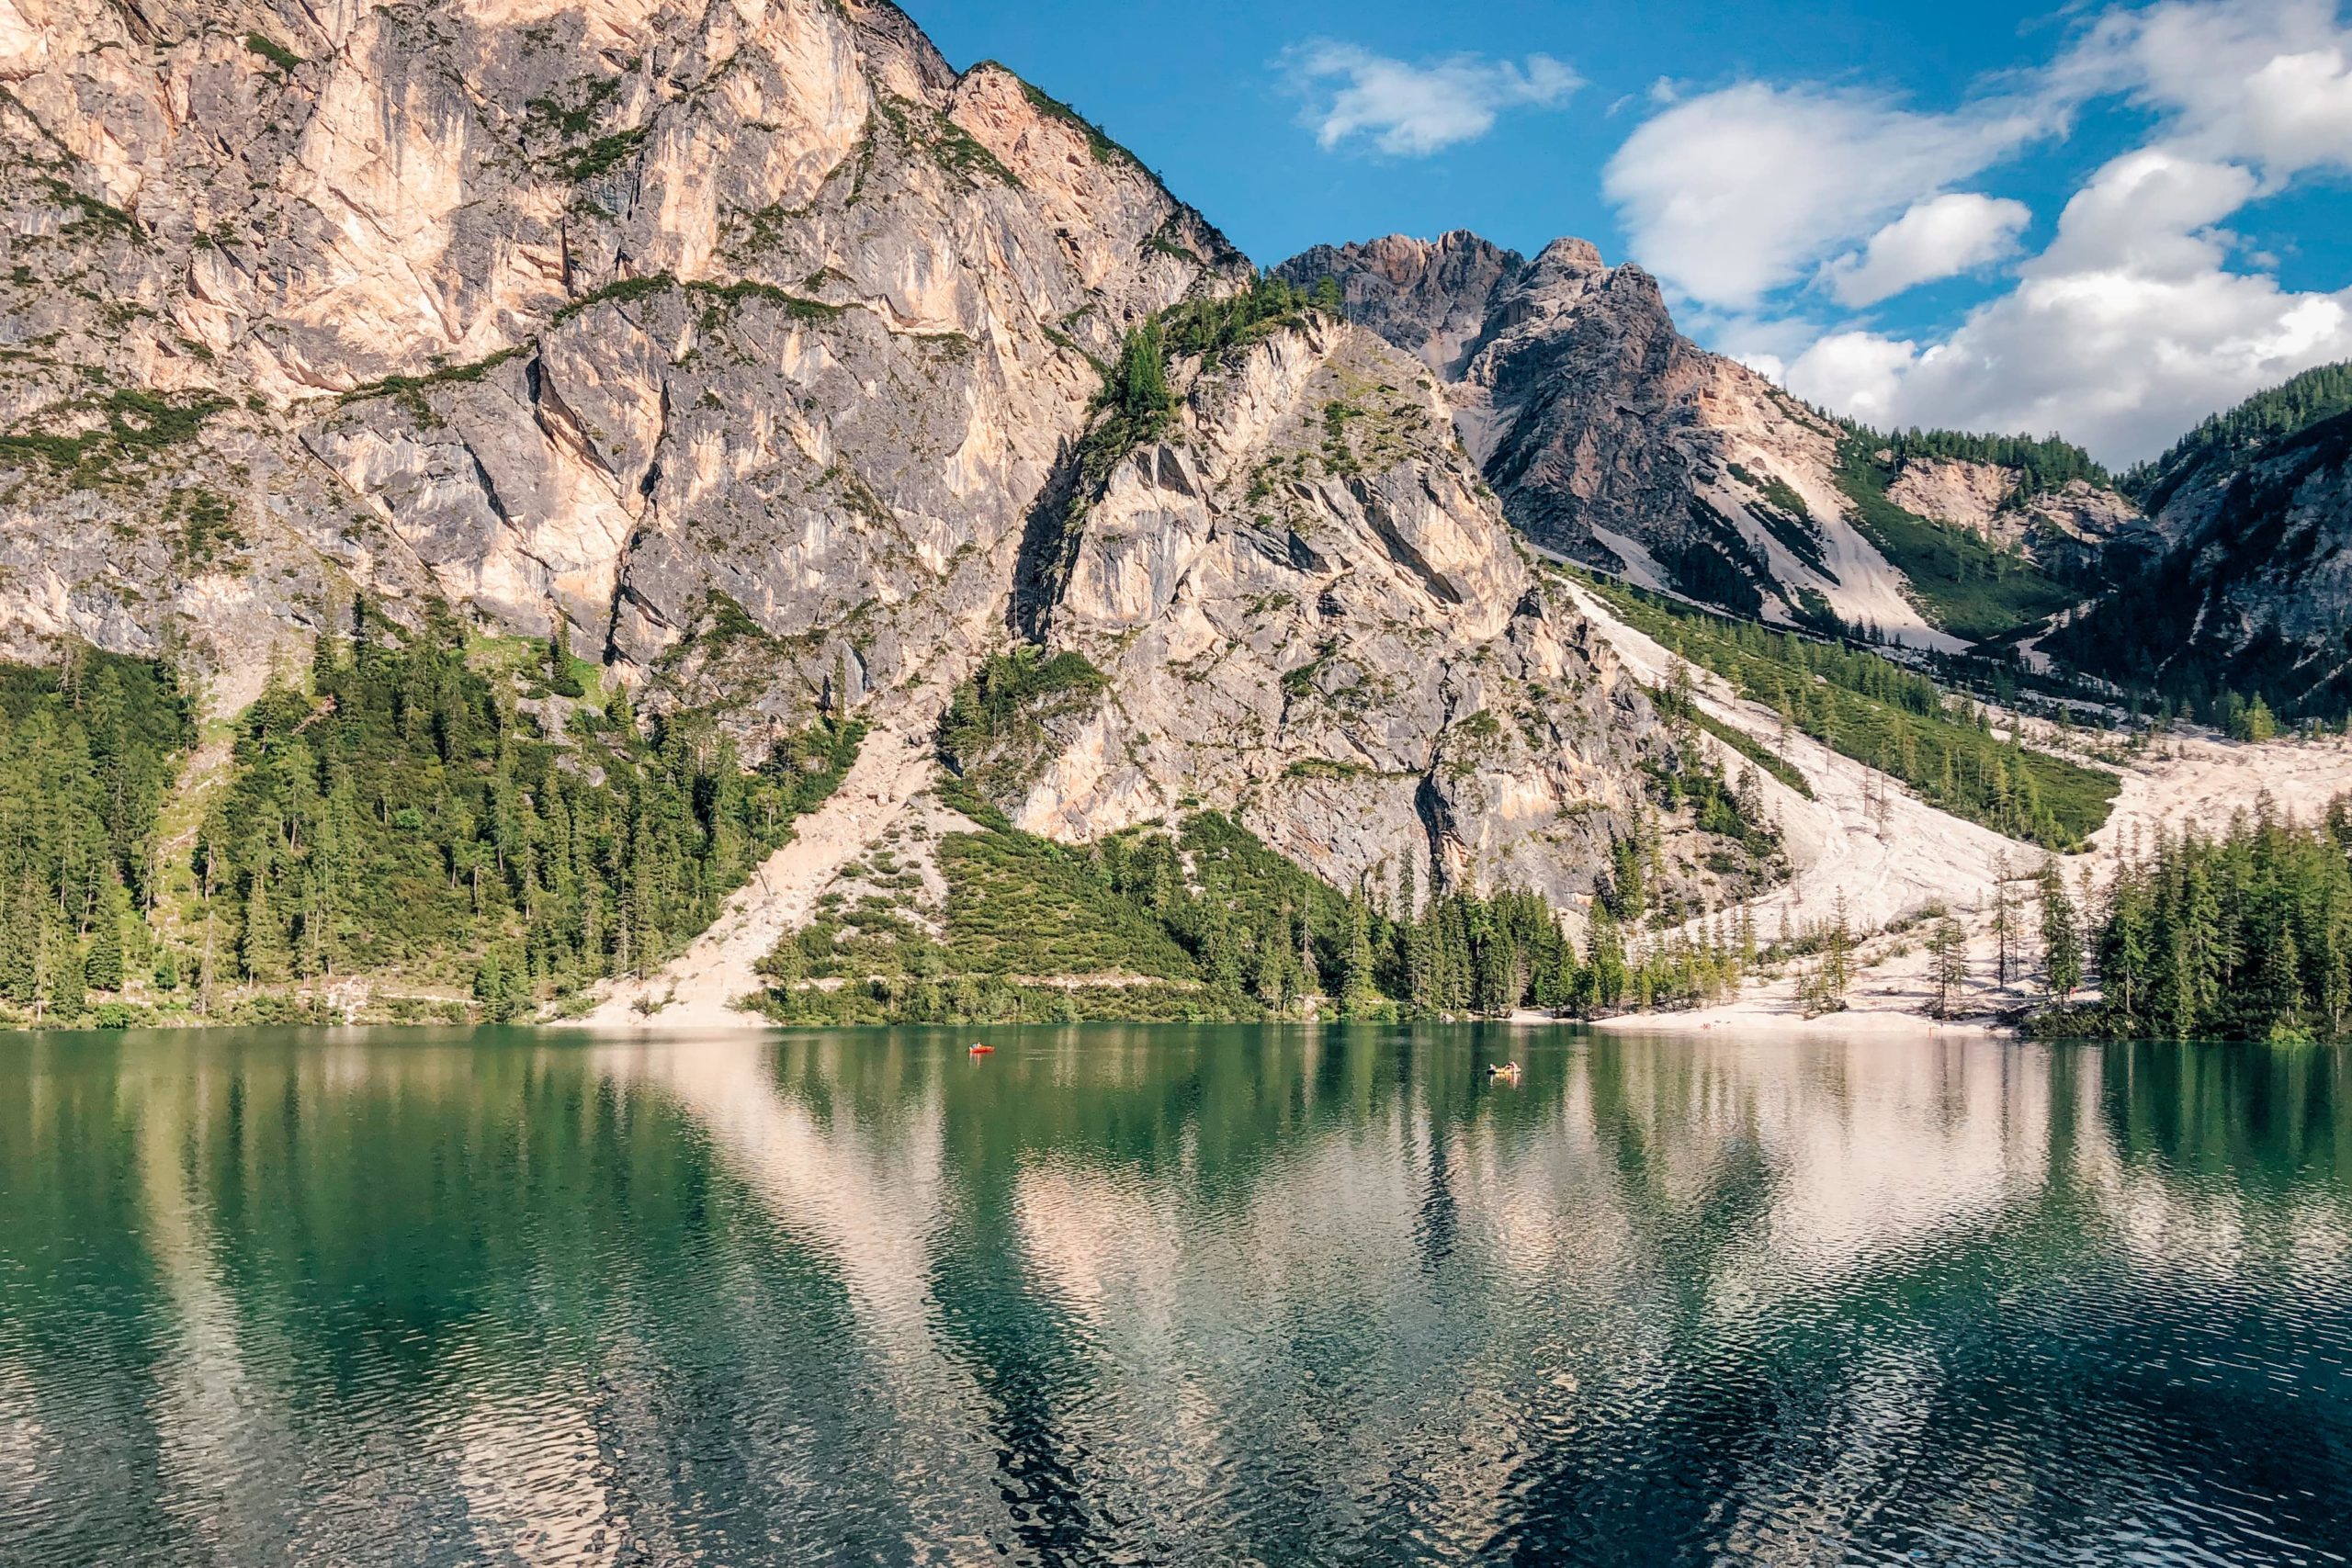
[[1616, 440]]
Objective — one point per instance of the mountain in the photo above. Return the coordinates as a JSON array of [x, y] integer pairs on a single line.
[[2247, 588], [1297, 596], [1614, 439], [368, 364], [623, 313]]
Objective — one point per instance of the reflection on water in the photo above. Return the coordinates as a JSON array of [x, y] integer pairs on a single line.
[[1132, 1295]]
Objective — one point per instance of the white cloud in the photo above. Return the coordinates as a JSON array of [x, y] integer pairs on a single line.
[[2264, 81], [2143, 315], [1736, 194], [2151, 211], [1411, 110], [2128, 329], [1941, 237], [1856, 372]]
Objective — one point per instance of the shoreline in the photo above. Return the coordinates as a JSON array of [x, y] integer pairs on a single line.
[[1738, 1019]]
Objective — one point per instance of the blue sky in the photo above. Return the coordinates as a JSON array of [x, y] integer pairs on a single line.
[[1865, 199]]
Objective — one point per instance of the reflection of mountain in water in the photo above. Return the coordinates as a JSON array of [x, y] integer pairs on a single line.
[[1169, 1294]]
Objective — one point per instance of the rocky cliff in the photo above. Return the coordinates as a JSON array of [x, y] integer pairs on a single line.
[[1306, 603], [761, 350], [2080, 530], [1614, 439], [2246, 585], [699, 326]]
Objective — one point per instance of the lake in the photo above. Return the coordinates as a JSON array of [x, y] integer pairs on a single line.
[[1130, 1295]]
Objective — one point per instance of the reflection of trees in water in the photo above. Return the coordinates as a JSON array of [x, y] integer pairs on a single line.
[[2270, 1119], [1679, 1289]]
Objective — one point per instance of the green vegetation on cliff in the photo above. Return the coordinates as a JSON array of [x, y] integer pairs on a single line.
[[1963, 582], [1202, 921], [408, 816], [1896, 720], [2047, 463], [994, 735], [432, 812]]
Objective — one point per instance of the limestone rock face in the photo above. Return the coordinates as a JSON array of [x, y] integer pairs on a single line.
[[1307, 606], [2080, 530], [641, 312], [1431, 301], [1614, 439]]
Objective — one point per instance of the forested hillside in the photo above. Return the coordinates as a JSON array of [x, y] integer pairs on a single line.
[[1204, 922], [85, 755], [1896, 720], [1967, 584], [2294, 405], [452, 817], [2047, 463], [2244, 934], [2251, 596]]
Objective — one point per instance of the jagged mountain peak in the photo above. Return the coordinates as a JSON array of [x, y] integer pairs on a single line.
[[1614, 438], [1569, 256], [1429, 298]]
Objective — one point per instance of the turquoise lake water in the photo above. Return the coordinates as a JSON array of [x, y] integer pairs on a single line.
[[1162, 1295]]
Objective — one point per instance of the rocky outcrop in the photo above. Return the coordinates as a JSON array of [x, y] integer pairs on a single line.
[[2080, 531], [1307, 606], [1614, 439], [1431, 300], [698, 326], [2248, 586]]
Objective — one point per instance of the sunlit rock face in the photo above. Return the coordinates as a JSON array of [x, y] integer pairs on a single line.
[[756, 344], [1612, 438], [617, 310], [2072, 529], [1310, 609]]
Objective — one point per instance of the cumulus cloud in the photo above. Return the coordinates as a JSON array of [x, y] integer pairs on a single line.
[[2264, 81], [2128, 329], [2144, 313], [1410, 110], [1936, 238], [1735, 194]]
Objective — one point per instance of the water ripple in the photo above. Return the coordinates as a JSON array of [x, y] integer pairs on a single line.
[[1137, 1296]]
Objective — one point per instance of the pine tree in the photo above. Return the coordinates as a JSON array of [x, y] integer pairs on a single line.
[[563, 680], [103, 970], [1838, 953], [58, 992], [1496, 985], [2062, 950], [1358, 991], [2004, 921], [1948, 955], [1605, 950], [1219, 955], [1272, 979], [490, 988], [20, 942]]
